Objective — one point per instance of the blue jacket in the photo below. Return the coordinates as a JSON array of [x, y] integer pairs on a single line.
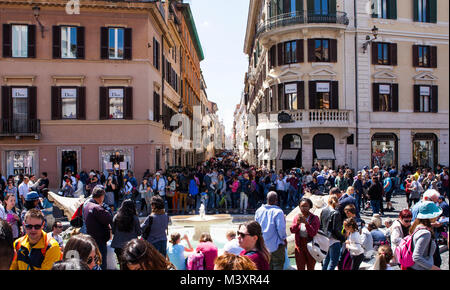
[[193, 188]]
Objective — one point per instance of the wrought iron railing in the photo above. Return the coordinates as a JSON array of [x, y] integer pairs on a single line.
[[302, 17], [11, 127]]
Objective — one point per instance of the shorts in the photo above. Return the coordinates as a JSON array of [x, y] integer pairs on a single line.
[[388, 196]]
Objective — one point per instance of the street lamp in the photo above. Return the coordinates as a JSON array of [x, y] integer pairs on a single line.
[[36, 11], [369, 40]]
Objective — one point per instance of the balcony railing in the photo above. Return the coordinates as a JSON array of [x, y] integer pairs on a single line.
[[12, 127], [312, 117], [302, 17]]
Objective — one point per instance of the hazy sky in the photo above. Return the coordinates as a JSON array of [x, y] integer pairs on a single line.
[[221, 28]]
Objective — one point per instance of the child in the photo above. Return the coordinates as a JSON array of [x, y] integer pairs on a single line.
[[353, 242], [384, 256]]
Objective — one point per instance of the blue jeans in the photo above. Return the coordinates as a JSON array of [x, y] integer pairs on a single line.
[[291, 200], [161, 246], [332, 259], [104, 252], [375, 204]]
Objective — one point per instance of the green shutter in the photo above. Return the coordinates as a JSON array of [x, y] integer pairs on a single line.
[[432, 10], [392, 9], [310, 4], [279, 7], [416, 10], [332, 7], [299, 5]]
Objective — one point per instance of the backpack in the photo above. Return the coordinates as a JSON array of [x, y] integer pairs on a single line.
[[196, 261], [77, 218], [404, 251]]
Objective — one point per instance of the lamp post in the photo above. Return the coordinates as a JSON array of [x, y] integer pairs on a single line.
[[369, 40], [36, 12]]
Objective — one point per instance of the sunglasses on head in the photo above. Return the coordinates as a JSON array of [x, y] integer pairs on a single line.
[[36, 227], [90, 259]]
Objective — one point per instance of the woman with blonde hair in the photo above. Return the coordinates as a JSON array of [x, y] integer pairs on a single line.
[[234, 262]]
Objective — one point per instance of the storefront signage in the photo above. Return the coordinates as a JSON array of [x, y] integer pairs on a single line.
[[424, 91], [116, 93], [323, 87], [385, 90], [290, 89], [68, 93], [20, 93]]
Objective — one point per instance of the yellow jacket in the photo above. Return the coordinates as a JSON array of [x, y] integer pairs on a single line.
[[39, 257]]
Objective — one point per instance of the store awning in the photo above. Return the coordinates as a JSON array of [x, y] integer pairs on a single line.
[[325, 154], [290, 154]]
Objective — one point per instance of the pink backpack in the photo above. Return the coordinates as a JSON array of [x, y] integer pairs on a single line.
[[196, 261], [404, 251]]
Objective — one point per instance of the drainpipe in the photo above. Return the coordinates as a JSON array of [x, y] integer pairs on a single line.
[[356, 80]]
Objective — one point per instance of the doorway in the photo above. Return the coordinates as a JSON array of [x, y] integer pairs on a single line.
[[69, 162]]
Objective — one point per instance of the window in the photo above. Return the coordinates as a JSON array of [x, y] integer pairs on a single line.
[[155, 53], [19, 40], [116, 103], [384, 53], [425, 99], [424, 56], [290, 96], [385, 97], [321, 7], [425, 11], [68, 42], [290, 52], [321, 50], [384, 150], [116, 43], [69, 103], [323, 95], [386, 9]]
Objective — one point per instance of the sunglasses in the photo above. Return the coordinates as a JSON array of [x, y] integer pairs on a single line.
[[90, 260], [242, 235], [407, 221], [36, 227]]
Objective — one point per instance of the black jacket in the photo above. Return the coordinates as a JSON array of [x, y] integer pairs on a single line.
[[331, 224]]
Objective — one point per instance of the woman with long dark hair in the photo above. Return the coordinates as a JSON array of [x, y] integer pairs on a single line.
[[141, 255], [85, 248], [155, 226], [252, 241], [125, 226]]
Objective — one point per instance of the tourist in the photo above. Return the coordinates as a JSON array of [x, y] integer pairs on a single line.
[[110, 187], [183, 191], [375, 195], [281, 190], [93, 182], [232, 246], [388, 187], [145, 191], [230, 262], [79, 186], [331, 224], [367, 243], [378, 236], [222, 198], [208, 249], [155, 226], [6, 245], [251, 240], [32, 200], [235, 194], [68, 190], [305, 226], [353, 243], [47, 209], [36, 250], [57, 229], [10, 188], [400, 228], [358, 186], [422, 232], [8, 213], [171, 187], [175, 251], [23, 188], [194, 194], [98, 221], [273, 223], [125, 226], [384, 256], [70, 265], [429, 195], [346, 199], [141, 255], [245, 190], [84, 247]]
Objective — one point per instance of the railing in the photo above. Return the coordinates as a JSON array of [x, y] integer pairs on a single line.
[[302, 17], [12, 127], [312, 117]]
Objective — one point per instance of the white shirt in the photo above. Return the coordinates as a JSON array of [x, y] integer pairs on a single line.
[[281, 185], [23, 189], [232, 247], [57, 238], [354, 246]]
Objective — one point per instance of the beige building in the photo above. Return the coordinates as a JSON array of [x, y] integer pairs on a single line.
[[94, 90], [324, 93]]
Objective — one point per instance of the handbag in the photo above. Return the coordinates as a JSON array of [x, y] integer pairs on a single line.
[[318, 247], [345, 262]]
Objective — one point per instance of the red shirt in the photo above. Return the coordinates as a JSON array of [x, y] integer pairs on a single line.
[[257, 258], [210, 251], [312, 226]]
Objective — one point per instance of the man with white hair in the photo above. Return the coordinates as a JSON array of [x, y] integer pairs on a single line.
[[429, 195]]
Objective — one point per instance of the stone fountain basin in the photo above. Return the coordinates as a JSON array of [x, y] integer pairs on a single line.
[[201, 225]]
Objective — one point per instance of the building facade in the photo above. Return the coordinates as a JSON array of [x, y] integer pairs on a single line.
[[322, 89], [94, 90]]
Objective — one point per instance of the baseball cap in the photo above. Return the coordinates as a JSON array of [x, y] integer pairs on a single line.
[[32, 195]]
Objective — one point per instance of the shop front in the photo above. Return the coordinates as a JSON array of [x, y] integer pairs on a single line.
[[384, 150], [425, 151]]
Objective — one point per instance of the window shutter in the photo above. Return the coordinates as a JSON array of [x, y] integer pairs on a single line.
[[394, 97], [334, 95], [433, 56], [6, 103], [81, 103], [104, 103], [128, 43], [333, 50], [392, 9], [7, 40], [393, 53], [32, 41], [433, 11], [128, 104], [300, 51], [286, 6], [301, 95], [104, 42], [434, 99], [56, 42], [312, 95], [56, 103], [32, 103], [280, 97], [374, 7], [415, 55], [375, 97], [311, 56], [272, 101], [374, 52], [280, 54], [80, 42], [332, 7], [416, 98], [416, 10], [272, 57], [310, 4]]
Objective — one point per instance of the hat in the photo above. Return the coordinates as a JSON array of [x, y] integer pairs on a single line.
[[31, 196], [429, 210], [92, 174]]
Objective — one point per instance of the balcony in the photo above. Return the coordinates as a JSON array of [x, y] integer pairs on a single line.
[[305, 17], [306, 119], [20, 128]]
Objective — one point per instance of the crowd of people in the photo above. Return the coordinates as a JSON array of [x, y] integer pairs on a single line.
[[334, 237]]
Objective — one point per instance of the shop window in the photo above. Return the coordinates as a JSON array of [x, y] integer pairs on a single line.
[[425, 150], [384, 150]]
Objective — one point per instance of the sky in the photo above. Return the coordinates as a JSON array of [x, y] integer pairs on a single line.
[[221, 28]]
